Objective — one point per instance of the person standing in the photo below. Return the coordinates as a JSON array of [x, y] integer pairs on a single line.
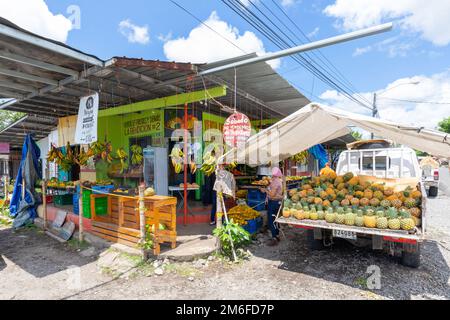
[[274, 193]]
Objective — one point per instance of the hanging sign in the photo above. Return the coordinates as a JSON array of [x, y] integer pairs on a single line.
[[86, 131], [237, 129]]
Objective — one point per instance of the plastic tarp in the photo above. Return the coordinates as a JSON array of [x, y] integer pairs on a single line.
[[319, 153], [316, 123], [23, 202]]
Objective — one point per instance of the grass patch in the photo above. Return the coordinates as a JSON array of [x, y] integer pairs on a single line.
[[361, 282], [183, 270], [77, 245]]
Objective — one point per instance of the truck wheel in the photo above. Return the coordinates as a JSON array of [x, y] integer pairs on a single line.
[[411, 257], [313, 244], [433, 192]]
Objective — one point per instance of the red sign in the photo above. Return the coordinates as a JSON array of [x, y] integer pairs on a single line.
[[236, 130], [4, 148]]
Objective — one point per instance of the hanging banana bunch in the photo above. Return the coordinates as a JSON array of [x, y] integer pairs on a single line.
[[122, 156], [209, 164], [301, 157], [193, 165], [136, 155], [81, 157], [54, 155], [177, 157]]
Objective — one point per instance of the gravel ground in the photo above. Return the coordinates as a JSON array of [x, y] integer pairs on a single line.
[[33, 265]]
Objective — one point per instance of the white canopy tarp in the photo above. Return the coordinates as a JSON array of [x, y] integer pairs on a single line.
[[316, 123]]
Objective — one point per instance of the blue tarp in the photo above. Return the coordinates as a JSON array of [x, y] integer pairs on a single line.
[[24, 210], [319, 152]]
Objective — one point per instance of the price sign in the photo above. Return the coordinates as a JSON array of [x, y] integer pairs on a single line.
[[236, 130]]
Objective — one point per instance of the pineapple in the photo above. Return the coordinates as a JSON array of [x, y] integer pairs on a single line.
[[418, 221], [359, 194], [326, 203], [394, 222], [388, 192], [397, 203], [300, 214], [382, 221], [368, 194], [286, 213], [385, 203], [321, 214], [378, 195], [359, 219], [415, 212], [364, 202], [348, 176], [336, 203], [407, 223], [370, 221], [349, 219], [410, 203], [313, 214], [345, 203], [306, 213], [317, 201], [355, 202], [340, 217], [374, 202], [416, 194], [330, 216]]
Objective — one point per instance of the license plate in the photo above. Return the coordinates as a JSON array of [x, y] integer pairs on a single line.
[[344, 234]]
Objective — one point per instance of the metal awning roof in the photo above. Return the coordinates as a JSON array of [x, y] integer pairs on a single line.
[[47, 78]]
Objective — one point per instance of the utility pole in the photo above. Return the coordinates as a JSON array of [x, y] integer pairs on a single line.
[[374, 110]]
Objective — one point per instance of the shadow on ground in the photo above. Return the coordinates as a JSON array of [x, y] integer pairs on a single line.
[[343, 263], [38, 254]]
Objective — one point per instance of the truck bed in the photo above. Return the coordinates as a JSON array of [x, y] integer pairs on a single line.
[[418, 235]]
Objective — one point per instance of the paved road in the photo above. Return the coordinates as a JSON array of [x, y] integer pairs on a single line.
[[444, 175]]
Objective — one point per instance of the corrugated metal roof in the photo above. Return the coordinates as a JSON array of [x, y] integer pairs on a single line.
[[48, 78]]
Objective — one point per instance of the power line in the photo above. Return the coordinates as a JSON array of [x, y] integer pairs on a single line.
[[415, 101], [203, 23], [249, 16]]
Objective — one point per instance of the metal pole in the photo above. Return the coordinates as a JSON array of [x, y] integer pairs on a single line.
[[80, 214], [305, 47], [374, 111], [185, 151], [142, 217]]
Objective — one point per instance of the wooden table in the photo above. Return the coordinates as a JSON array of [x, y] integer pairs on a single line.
[[180, 191], [122, 222]]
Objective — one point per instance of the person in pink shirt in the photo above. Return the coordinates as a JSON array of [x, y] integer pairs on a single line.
[[274, 194]]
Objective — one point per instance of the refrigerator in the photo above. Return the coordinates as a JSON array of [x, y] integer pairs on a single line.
[[156, 170]]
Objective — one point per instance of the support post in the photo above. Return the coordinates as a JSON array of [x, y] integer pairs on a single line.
[[219, 209], [44, 202], [185, 160], [142, 217], [80, 214]]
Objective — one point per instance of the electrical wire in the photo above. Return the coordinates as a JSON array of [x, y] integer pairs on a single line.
[[253, 19], [415, 101]]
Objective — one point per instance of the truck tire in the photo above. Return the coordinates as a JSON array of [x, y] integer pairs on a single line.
[[433, 192], [313, 244], [411, 257]]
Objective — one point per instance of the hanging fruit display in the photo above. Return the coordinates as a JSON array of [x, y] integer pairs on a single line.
[[177, 158], [122, 156], [102, 150], [209, 164], [192, 165], [347, 200], [136, 155], [301, 157]]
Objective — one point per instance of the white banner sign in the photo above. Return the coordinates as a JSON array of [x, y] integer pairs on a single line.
[[86, 132]]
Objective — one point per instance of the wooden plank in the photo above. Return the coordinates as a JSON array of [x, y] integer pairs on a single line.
[[129, 231], [116, 240], [116, 234]]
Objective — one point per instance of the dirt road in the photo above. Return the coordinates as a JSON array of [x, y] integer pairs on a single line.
[[33, 265]]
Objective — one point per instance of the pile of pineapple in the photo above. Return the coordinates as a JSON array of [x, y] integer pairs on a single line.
[[346, 200]]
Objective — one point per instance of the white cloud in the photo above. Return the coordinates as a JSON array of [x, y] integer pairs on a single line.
[[391, 46], [203, 45], [313, 33], [165, 37], [36, 17], [287, 3], [428, 18], [134, 33], [435, 88]]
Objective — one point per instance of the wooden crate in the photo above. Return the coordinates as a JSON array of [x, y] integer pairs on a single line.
[[122, 222]]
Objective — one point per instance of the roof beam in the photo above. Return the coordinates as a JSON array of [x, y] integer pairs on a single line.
[[36, 63], [147, 79], [49, 45], [10, 94], [14, 123], [26, 76], [17, 86]]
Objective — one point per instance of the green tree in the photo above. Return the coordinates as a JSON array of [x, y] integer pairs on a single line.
[[8, 117], [444, 125], [357, 135]]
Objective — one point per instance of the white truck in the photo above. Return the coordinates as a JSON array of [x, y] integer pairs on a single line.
[[381, 161]]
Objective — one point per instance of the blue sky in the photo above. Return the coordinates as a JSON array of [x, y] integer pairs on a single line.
[[417, 50]]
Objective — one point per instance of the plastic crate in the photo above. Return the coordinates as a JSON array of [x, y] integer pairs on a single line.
[[258, 205], [102, 189], [251, 226], [255, 194], [63, 200]]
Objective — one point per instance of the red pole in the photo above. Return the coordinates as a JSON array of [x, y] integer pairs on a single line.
[[185, 151]]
